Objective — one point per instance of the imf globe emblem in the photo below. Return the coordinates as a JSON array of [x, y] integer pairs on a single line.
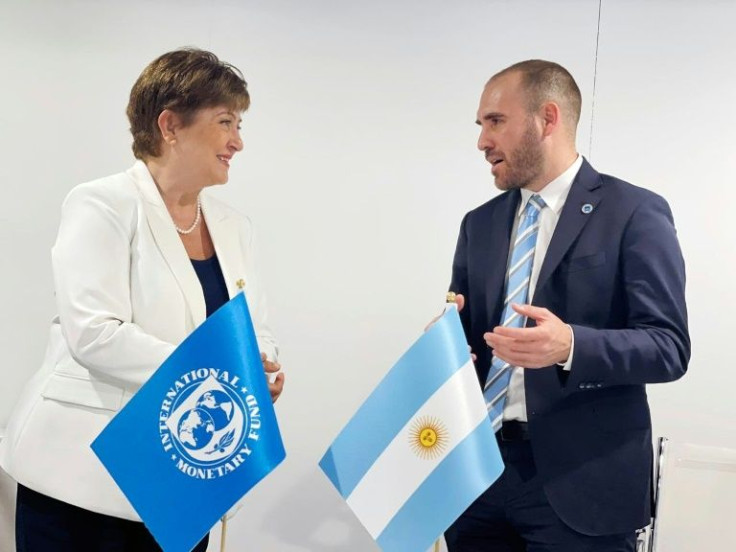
[[196, 429], [212, 413], [208, 422]]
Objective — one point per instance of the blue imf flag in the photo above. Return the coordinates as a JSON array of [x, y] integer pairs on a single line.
[[199, 434]]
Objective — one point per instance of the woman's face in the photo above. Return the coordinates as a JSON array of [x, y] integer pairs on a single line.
[[206, 147]]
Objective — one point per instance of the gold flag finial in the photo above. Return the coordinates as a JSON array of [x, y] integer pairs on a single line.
[[450, 297]]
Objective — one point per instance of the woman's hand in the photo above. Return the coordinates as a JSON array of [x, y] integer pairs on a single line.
[[277, 386]]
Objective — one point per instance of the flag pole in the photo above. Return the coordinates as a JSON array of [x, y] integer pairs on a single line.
[[223, 533], [449, 300]]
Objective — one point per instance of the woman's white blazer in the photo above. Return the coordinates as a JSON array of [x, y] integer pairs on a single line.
[[127, 295]]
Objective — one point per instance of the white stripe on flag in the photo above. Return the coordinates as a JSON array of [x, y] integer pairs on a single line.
[[459, 406]]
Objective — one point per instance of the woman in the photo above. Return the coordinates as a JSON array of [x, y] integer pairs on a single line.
[[141, 258]]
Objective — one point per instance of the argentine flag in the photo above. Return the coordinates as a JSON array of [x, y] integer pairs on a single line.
[[199, 434], [421, 448]]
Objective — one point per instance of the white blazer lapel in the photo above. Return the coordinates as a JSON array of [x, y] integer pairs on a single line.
[[225, 234], [169, 243]]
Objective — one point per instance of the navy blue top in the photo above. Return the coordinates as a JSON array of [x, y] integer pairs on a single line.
[[213, 283]]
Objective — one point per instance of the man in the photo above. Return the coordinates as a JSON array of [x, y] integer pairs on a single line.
[[571, 289]]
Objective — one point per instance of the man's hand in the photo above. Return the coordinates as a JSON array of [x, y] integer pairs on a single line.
[[277, 386], [546, 344], [460, 302]]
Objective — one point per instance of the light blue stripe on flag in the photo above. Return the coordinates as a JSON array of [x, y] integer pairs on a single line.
[[438, 354], [455, 483]]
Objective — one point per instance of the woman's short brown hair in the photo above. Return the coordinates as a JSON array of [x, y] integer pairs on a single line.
[[182, 81]]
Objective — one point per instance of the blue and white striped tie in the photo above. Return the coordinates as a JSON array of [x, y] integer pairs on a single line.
[[517, 291]]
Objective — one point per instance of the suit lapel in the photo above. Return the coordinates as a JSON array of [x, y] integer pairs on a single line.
[[585, 190], [225, 235], [168, 242], [498, 232]]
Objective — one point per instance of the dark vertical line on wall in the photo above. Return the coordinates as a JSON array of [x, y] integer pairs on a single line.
[[595, 79]]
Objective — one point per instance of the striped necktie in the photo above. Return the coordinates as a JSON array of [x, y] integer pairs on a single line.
[[517, 291]]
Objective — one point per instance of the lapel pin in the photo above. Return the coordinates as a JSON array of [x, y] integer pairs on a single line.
[[587, 208], [240, 283]]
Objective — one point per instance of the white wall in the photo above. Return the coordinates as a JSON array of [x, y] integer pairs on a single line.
[[664, 119], [360, 161]]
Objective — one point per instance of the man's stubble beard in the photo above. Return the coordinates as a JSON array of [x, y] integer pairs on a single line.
[[526, 162]]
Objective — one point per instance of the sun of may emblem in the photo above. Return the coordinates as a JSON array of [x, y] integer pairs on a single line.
[[428, 437]]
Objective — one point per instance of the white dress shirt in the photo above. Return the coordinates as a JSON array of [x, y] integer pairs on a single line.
[[554, 195]]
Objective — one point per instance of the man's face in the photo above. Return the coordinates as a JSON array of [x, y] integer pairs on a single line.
[[509, 137]]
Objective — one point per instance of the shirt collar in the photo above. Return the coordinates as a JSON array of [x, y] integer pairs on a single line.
[[555, 193]]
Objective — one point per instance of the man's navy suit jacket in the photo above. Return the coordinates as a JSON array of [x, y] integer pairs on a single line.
[[617, 276]]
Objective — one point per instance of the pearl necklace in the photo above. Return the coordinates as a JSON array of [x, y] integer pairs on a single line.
[[196, 219]]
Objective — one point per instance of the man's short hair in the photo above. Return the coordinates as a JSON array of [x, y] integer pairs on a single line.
[[182, 81], [544, 81]]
